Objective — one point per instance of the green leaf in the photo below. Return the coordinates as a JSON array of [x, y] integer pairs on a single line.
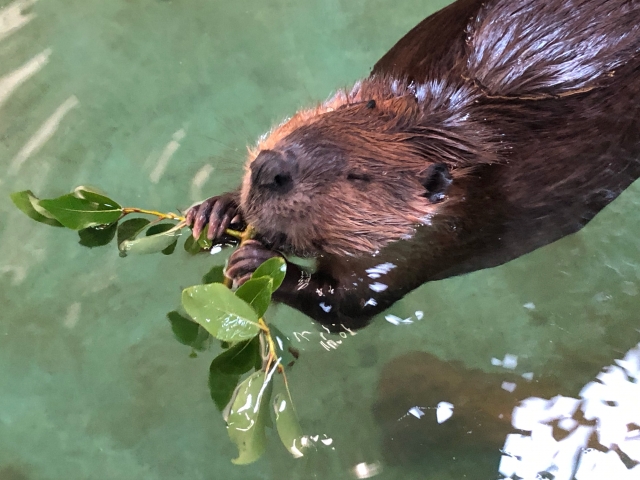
[[237, 359], [276, 268], [247, 418], [220, 312], [78, 213], [130, 229], [221, 388], [287, 423], [97, 236], [188, 332], [202, 341], [306, 264], [35, 203], [284, 348], [191, 245], [215, 275], [203, 241], [161, 228], [96, 196], [151, 244], [226, 369], [184, 329], [257, 293], [170, 249], [26, 202]]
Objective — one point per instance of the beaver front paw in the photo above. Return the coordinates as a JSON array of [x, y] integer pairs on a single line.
[[246, 259], [218, 212]]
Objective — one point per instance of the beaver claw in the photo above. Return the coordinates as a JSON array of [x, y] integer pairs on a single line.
[[218, 212], [246, 259]]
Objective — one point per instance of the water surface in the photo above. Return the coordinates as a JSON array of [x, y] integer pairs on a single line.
[[155, 101]]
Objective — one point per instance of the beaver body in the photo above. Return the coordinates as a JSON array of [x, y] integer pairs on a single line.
[[491, 129]]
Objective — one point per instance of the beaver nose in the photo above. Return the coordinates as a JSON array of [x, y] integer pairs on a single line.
[[272, 171]]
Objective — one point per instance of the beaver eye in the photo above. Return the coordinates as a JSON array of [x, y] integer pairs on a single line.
[[436, 180], [358, 176]]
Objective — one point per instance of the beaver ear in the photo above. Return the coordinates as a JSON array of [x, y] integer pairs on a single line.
[[436, 180]]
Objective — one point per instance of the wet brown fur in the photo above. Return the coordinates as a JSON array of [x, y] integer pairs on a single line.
[[534, 106]]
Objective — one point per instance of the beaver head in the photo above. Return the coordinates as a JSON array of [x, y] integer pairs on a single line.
[[359, 171]]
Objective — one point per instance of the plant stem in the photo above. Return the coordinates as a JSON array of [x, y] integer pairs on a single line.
[[248, 234], [234, 233], [160, 215]]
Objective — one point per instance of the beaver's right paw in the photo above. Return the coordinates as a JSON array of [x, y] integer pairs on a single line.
[[246, 259], [218, 212]]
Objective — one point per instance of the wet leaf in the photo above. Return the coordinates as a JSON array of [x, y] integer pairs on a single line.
[[283, 347], [276, 268], [170, 249], [27, 202], [238, 359], [161, 228], [188, 332], [215, 275], [130, 229], [152, 244], [96, 196], [307, 264], [184, 329], [227, 368], [191, 245], [220, 312], [257, 293], [287, 423], [247, 417], [221, 388], [203, 241], [78, 213], [97, 236], [202, 341]]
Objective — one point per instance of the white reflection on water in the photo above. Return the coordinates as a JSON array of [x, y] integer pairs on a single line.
[[510, 361], [444, 411], [199, 179], [416, 412], [509, 386], [11, 81], [396, 320], [43, 135], [367, 470], [378, 287], [325, 307], [13, 17], [607, 415], [378, 270], [73, 315], [165, 157]]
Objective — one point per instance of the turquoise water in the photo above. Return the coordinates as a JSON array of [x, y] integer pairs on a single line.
[[154, 102]]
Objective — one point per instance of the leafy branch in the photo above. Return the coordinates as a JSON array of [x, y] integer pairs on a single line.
[[251, 346]]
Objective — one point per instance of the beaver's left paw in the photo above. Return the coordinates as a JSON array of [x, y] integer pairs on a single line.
[[246, 259]]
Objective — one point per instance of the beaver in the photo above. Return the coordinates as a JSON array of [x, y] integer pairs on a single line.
[[492, 128]]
